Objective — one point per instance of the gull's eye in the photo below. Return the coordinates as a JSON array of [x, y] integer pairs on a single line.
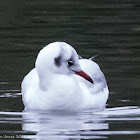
[[70, 63]]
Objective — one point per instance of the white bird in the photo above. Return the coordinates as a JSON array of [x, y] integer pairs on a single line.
[[62, 81]]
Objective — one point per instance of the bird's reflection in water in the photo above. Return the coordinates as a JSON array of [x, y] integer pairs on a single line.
[[63, 125]]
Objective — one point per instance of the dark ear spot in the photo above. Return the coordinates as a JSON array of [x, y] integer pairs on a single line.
[[57, 61]]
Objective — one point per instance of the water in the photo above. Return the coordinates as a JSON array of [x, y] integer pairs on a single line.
[[107, 28], [113, 123]]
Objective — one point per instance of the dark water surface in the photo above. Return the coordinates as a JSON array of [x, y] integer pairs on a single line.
[[108, 28]]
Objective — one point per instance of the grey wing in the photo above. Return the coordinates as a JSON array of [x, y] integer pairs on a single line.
[[94, 71]]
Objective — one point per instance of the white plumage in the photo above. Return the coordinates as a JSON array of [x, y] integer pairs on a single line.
[[62, 81]]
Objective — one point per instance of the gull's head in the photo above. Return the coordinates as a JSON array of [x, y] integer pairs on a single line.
[[59, 58]]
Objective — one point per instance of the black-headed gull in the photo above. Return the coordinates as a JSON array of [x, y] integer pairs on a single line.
[[62, 81]]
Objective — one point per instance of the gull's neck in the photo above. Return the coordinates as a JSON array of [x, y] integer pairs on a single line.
[[45, 79]]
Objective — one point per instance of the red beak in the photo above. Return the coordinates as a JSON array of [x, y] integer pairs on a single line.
[[84, 75]]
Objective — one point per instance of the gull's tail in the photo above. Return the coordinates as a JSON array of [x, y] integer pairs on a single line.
[[91, 58]]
